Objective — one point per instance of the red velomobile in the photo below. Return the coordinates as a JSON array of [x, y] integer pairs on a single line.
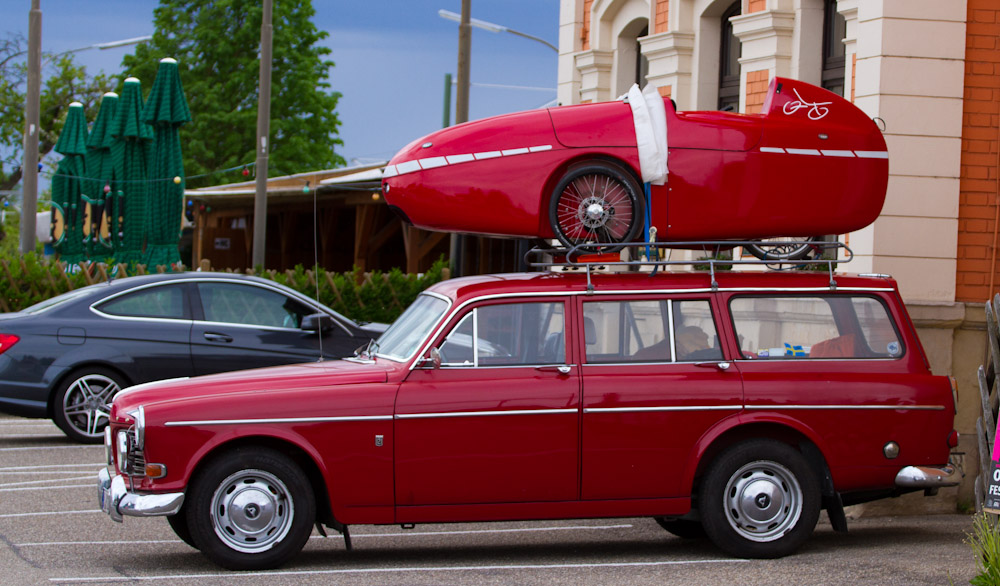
[[812, 163]]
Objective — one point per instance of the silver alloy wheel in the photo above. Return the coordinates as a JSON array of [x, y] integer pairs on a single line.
[[762, 501], [86, 403], [251, 511]]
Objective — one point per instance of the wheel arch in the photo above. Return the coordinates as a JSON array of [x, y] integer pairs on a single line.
[[305, 459], [787, 432], [557, 174]]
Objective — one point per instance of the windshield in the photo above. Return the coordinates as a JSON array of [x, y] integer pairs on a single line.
[[405, 335]]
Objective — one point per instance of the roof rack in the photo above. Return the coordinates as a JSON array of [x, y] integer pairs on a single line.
[[599, 255]]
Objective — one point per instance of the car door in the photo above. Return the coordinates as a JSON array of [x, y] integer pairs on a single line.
[[148, 327], [655, 378], [246, 325], [498, 421]]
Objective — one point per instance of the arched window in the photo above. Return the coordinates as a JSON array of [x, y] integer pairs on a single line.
[[729, 62], [641, 61], [834, 31]]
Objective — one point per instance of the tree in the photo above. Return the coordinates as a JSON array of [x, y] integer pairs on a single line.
[[216, 44], [67, 83]]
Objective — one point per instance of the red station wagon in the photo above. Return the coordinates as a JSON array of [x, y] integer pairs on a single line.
[[737, 410]]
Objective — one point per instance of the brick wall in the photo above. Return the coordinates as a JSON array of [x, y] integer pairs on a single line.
[[756, 90], [662, 13], [978, 184], [585, 29], [752, 6], [665, 91]]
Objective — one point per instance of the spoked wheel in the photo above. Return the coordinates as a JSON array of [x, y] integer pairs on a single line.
[[780, 249], [250, 509], [760, 499], [597, 202], [82, 403]]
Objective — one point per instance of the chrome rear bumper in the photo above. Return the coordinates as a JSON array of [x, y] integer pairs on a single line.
[[117, 501], [928, 476]]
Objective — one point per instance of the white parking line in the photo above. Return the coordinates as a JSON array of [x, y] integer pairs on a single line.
[[40, 472], [50, 448], [41, 466], [234, 576], [44, 513], [27, 482], [353, 535], [90, 486]]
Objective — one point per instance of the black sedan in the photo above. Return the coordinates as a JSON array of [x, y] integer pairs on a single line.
[[66, 357]]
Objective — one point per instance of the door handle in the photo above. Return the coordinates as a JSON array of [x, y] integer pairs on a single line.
[[561, 369], [718, 365], [213, 337]]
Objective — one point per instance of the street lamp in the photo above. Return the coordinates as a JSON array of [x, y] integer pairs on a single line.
[[493, 28]]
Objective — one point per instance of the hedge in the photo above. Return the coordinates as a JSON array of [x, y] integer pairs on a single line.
[[375, 296]]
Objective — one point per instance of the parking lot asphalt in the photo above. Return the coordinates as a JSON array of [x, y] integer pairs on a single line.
[[51, 532]]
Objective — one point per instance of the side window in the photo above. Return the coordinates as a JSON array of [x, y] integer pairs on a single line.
[[640, 331], [627, 331], [814, 327], [249, 305], [510, 334], [167, 301], [694, 329]]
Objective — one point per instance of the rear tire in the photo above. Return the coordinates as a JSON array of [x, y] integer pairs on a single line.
[[788, 249], [759, 499], [82, 402]]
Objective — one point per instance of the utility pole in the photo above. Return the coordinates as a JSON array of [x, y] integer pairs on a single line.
[[447, 101], [462, 113], [29, 185], [263, 131]]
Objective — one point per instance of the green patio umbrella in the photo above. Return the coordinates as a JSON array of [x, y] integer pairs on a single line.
[[101, 187], [166, 110], [130, 154], [67, 186]]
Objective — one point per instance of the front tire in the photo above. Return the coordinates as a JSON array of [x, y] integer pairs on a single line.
[[759, 499], [683, 528], [251, 509], [82, 403], [597, 202]]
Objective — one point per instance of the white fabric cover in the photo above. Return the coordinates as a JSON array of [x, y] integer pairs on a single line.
[[649, 117]]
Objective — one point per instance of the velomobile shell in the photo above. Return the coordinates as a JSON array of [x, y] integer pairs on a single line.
[[812, 163]]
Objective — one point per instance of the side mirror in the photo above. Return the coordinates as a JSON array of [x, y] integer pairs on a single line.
[[436, 358], [317, 322]]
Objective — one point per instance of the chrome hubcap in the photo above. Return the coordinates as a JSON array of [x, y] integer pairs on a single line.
[[763, 501], [251, 511], [86, 403], [593, 213]]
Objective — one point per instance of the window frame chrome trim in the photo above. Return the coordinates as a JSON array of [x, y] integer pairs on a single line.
[[433, 332]]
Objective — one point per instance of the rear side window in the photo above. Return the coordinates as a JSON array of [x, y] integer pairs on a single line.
[[650, 331], [167, 302], [810, 327]]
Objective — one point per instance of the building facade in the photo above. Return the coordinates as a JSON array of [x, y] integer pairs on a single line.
[[928, 71]]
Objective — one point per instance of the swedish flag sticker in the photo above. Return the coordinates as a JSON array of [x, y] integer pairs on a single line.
[[795, 351]]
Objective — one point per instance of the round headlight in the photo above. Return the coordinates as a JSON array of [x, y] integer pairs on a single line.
[[121, 447]]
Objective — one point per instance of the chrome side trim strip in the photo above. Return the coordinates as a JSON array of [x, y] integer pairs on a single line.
[[671, 408], [852, 407], [280, 420], [484, 413]]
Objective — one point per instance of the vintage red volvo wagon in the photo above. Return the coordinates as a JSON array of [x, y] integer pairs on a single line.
[[812, 163], [738, 410]]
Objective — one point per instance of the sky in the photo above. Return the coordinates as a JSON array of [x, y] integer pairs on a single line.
[[390, 58]]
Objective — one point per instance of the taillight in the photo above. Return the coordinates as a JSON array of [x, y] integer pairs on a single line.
[[6, 341]]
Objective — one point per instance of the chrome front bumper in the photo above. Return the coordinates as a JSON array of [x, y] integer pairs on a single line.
[[117, 501], [928, 476]]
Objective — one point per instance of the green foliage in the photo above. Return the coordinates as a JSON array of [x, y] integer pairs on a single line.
[[377, 296], [985, 543], [65, 82], [216, 43]]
